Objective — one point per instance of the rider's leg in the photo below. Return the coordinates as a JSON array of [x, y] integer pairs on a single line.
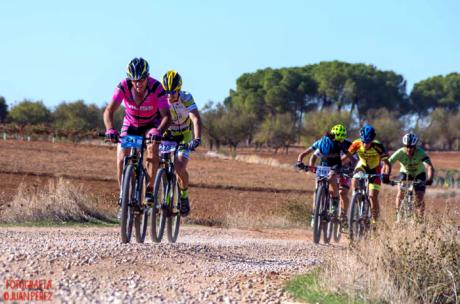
[[121, 153], [344, 186], [181, 170], [334, 190], [420, 204], [419, 195], [374, 198], [181, 162], [399, 198], [153, 161], [344, 201]]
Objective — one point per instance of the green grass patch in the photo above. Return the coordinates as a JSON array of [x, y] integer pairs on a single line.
[[306, 288]]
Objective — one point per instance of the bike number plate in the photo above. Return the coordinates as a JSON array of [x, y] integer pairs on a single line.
[[131, 141], [167, 147], [322, 171]]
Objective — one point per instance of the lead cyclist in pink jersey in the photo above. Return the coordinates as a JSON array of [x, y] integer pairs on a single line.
[[146, 113]]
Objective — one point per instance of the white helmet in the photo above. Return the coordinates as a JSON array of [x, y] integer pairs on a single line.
[[410, 139]]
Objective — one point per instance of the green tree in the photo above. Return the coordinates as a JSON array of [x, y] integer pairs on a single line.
[[436, 92], [211, 115], [270, 92], [448, 125], [370, 88], [277, 132], [235, 127], [77, 116], [3, 109], [387, 126], [316, 123], [30, 112]]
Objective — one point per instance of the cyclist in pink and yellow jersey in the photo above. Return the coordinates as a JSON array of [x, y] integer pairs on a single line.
[[146, 113]]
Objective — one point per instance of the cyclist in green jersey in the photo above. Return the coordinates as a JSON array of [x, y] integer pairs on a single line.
[[415, 165], [185, 115]]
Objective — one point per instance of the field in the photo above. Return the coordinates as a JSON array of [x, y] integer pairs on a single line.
[[232, 193]]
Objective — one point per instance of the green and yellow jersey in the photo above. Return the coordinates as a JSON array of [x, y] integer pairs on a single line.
[[411, 165]]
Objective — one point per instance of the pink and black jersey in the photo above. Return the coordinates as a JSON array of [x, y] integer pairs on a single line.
[[148, 111]]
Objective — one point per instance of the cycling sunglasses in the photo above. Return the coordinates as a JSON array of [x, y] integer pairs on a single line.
[[139, 80]]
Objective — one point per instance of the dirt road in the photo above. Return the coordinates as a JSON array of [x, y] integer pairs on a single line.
[[206, 265]]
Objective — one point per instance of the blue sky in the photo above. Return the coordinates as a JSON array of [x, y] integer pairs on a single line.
[[58, 51]]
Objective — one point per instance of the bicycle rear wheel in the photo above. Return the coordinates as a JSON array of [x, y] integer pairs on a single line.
[[159, 211], [355, 221], [141, 218], [127, 210], [173, 223]]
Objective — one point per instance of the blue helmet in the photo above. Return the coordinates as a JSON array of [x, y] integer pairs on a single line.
[[137, 69], [325, 145], [367, 133]]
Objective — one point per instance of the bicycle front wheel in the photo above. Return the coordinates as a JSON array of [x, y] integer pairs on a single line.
[[127, 210], [356, 225], [159, 211], [318, 225], [337, 224], [173, 223], [142, 216], [406, 209]]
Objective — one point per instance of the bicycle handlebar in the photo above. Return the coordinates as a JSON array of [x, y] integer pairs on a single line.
[[342, 171], [398, 182]]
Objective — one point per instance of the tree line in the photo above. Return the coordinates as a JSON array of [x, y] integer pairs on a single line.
[[277, 108], [75, 118], [280, 107]]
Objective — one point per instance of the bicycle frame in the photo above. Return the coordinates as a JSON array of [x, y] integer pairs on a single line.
[[168, 151], [363, 188], [407, 204], [137, 145], [361, 198]]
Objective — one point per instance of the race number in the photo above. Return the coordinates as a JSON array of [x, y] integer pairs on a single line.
[[131, 141], [167, 147], [322, 171]]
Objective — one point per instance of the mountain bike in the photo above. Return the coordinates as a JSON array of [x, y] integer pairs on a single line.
[[406, 209], [360, 213], [325, 215], [166, 197], [134, 180]]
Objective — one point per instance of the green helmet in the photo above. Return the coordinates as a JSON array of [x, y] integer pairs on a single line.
[[339, 131]]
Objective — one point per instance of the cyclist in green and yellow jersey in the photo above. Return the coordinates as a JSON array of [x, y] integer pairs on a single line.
[[185, 115], [415, 165]]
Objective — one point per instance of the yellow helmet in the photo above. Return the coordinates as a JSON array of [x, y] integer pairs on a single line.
[[339, 131], [172, 81]]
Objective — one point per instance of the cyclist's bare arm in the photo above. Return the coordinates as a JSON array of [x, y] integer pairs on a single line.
[[303, 154], [108, 114], [165, 120], [429, 170], [386, 167], [345, 157], [312, 161], [196, 120]]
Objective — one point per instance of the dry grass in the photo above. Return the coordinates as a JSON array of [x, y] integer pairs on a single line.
[[412, 263], [59, 201]]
